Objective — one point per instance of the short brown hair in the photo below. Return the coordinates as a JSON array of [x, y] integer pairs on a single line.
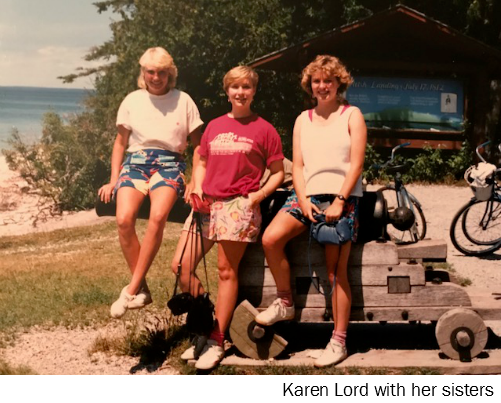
[[332, 67], [240, 73]]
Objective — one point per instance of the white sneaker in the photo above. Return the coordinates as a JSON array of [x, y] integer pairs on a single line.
[[193, 352], [334, 353], [188, 354], [276, 312], [143, 298], [121, 305], [212, 354]]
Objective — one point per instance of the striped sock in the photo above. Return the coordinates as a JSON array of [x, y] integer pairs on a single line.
[[286, 297], [340, 337], [217, 336]]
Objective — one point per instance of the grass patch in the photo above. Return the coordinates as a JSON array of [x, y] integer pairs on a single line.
[[152, 338], [71, 277], [7, 369]]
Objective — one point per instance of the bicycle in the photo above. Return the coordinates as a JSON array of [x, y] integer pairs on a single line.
[[476, 228], [404, 210]]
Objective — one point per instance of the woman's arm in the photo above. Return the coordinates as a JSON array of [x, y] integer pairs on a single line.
[[198, 176], [117, 155], [274, 181], [298, 176], [358, 133], [195, 137]]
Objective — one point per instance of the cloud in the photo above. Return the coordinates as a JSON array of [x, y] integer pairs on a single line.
[[46, 39], [60, 52], [41, 67]]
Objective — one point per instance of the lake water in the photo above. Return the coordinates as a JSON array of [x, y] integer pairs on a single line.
[[23, 108]]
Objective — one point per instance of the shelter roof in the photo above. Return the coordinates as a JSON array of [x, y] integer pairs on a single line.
[[399, 37]]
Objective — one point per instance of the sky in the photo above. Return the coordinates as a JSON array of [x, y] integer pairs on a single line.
[[43, 39]]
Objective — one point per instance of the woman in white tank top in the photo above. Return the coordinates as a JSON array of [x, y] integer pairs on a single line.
[[328, 155]]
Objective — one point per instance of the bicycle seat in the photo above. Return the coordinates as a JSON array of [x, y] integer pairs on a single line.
[[394, 169]]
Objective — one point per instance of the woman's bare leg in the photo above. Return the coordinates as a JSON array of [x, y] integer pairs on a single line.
[[129, 201], [162, 200], [281, 230], [337, 269], [191, 258], [229, 255]]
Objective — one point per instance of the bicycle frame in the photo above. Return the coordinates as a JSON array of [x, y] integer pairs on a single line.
[[489, 209], [495, 191], [404, 199]]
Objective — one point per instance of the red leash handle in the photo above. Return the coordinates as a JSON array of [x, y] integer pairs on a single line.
[[199, 205]]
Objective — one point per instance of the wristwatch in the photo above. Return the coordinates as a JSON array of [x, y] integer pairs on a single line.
[[341, 197]]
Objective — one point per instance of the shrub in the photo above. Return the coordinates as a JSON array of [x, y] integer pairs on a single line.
[[66, 166]]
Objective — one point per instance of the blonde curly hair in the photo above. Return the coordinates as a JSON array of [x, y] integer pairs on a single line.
[[332, 67]]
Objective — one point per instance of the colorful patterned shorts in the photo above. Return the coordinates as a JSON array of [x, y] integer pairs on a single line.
[[148, 169], [231, 219], [350, 210]]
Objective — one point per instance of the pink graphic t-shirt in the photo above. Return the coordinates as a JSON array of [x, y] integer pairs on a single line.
[[237, 153]]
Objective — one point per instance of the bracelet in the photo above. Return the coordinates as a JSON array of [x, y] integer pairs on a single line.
[[264, 193]]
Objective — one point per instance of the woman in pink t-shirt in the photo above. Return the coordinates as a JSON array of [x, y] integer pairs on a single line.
[[234, 152]]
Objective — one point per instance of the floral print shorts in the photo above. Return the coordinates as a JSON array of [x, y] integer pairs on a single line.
[[231, 219], [350, 210], [148, 169]]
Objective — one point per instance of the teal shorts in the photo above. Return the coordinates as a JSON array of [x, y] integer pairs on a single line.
[[350, 210], [149, 169]]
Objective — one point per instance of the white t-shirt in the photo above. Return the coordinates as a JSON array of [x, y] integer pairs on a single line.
[[158, 121]]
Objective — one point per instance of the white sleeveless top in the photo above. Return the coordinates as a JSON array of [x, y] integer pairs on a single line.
[[326, 154]]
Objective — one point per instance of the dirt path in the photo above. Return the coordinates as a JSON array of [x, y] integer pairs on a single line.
[[440, 204]]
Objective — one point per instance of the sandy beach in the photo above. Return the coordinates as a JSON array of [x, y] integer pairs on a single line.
[[19, 208]]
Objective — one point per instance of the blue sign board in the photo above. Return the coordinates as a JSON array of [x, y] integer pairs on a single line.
[[409, 103]]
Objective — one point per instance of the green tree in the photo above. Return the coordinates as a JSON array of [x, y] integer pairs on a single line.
[[206, 38]]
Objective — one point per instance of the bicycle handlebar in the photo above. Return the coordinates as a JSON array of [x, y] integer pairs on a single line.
[[408, 143], [381, 166], [477, 150]]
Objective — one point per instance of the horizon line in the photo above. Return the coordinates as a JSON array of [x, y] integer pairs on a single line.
[[45, 87]]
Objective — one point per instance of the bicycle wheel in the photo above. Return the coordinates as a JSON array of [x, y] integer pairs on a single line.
[[481, 223], [412, 235], [462, 220]]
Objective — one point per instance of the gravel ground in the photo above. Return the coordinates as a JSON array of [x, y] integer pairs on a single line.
[[440, 204], [63, 351]]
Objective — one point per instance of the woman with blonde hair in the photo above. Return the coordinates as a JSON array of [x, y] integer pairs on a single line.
[[328, 155], [235, 150], [153, 125]]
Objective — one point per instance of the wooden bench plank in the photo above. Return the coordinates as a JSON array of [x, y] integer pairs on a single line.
[[371, 253], [376, 314], [357, 275], [427, 249], [445, 294]]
